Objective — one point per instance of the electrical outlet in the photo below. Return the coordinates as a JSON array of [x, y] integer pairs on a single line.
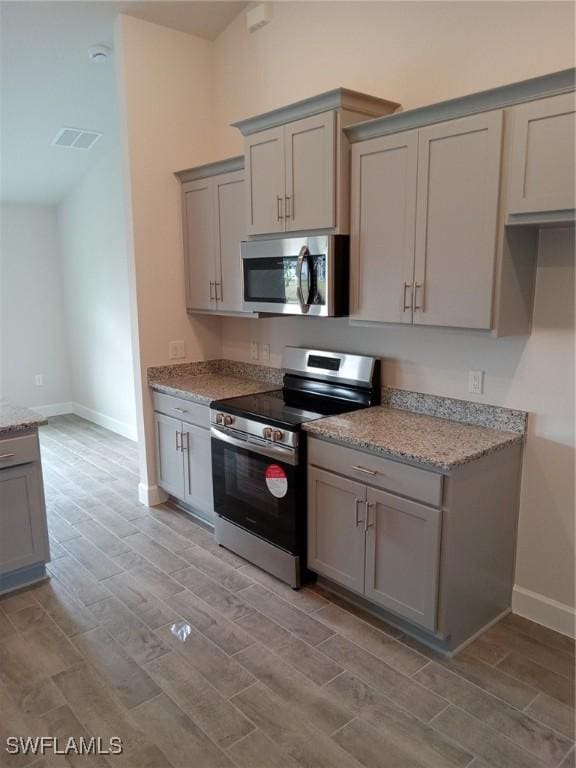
[[254, 350], [39, 379], [476, 382], [265, 352], [176, 350]]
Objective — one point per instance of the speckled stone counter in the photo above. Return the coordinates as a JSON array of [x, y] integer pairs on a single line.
[[14, 418], [398, 434], [206, 387]]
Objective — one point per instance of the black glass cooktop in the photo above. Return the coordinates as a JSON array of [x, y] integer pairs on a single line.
[[269, 407]]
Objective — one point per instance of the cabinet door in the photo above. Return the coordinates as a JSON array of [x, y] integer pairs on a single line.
[[336, 511], [542, 161], [230, 230], [310, 146], [456, 219], [169, 455], [199, 243], [23, 533], [264, 154], [198, 470], [402, 556], [384, 173]]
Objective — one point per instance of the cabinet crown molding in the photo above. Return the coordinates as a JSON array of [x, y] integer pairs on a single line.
[[338, 98], [216, 168], [496, 98]]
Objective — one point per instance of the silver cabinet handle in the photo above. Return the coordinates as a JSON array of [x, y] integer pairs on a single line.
[[188, 463], [180, 410], [279, 213], [407, 306], [185, 446], [366, 471], [367, 523], [212, 296], [416, 286], [7, 455], [288, 207], [218, 287], [357, 520], [178, 447]]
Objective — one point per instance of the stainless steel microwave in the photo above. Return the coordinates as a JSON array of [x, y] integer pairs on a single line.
[[296, 275]]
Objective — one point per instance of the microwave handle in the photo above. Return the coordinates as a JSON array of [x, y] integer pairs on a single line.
[[302, 257]]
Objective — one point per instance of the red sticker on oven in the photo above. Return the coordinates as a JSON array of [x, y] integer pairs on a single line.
[[276, 481]]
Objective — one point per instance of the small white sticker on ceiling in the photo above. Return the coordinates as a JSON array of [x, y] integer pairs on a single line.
[[75, 138]]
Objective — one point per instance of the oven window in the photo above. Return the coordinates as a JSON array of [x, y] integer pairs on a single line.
[[259, 493], [245, 481]]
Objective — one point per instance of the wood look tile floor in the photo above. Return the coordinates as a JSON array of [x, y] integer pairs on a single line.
[[267, 677]]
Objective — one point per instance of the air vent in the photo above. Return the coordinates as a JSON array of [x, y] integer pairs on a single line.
[[75, 138]]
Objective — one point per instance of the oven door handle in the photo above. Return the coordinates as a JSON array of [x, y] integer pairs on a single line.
[[287, 455], [302, 257]]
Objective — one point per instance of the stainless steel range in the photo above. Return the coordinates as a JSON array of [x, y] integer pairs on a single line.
[[259, 455]]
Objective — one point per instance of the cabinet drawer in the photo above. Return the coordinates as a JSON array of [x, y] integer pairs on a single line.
[[185, 410], [374, 470], [19, 450]]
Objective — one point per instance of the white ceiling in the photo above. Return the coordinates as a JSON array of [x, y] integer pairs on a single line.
[[47, 82]]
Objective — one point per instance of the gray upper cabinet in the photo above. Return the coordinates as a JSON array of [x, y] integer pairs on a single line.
[[424, 219], [297, 162], [543, 156], [231, 229], [456, 221], [291, 174], [384, 174], [214, 223], [402, 556], [336, 508], [264, 154], [438, 195], [198, 211], [310, 146]]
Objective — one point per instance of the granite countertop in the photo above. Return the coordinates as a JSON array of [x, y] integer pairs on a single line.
[[14, 418], [397, 434], [206, 387]]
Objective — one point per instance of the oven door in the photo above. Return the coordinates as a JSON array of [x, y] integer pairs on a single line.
[[288, 276], [259, 488]]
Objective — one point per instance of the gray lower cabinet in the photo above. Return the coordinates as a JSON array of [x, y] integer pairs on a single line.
[[402, 556], [376, 544], [23, 530], [185, 463], [336, 545]]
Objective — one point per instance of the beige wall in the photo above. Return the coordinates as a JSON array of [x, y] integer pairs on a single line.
[[412, 52], [166, 99], [419, 53]]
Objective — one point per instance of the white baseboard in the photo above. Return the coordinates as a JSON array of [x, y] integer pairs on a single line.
[[151, 495], [120, 427], [543, 610], [54, 409]]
